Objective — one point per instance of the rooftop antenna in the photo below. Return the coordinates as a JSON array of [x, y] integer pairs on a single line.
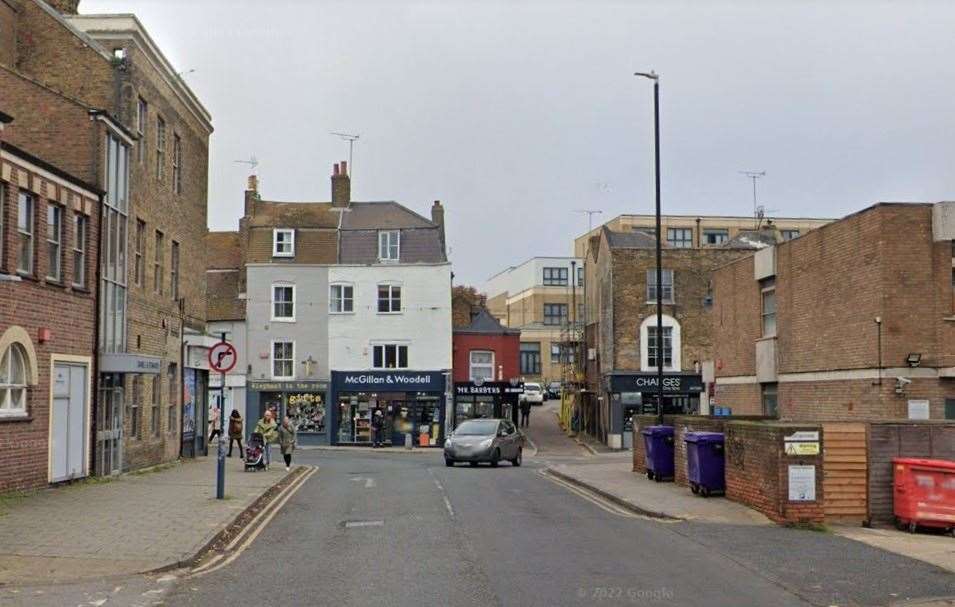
[[186, 72], [758, 211], [252, 162], [590, 217], [351, 139]]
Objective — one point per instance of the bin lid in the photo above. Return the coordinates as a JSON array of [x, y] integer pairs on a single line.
[[703, 437], [925, 463], [657, 431]]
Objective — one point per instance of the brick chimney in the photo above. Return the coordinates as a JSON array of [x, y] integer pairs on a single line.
[[65, 7], [341, 185], [437, 217], [251, 195]]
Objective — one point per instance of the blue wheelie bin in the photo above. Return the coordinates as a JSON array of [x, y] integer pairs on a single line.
[[705, 464], [658, 442]]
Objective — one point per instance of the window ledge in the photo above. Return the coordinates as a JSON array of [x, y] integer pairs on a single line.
[[385, 313], [284, 320], [766, 338], [9, 278], [349, 313], [949, 318], [15, 417]]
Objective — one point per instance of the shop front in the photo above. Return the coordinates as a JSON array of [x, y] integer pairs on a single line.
[[304, 402], [629, 393], [412, 404], [488, 399]]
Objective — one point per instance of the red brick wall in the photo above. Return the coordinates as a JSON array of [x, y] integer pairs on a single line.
[[757, 471], [736, 319], [34, 303], [742, 399], [506, 350]]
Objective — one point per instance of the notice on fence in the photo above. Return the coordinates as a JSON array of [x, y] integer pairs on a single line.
[[802, 483]]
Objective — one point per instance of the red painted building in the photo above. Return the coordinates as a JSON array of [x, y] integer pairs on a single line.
[[486, 369]]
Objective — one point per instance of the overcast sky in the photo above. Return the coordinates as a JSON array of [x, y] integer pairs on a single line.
[[516, 113]]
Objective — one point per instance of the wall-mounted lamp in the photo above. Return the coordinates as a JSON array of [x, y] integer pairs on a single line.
[[914, 359]]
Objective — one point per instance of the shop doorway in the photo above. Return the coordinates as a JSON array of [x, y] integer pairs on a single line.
[[68, 422], [109, 425]]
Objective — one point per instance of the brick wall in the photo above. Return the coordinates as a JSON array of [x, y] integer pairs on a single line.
[[35, 302], [742, 399], [757, 471], [736, 319]]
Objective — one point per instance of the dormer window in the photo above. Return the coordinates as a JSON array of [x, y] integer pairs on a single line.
[[283, 242], [389, 242]]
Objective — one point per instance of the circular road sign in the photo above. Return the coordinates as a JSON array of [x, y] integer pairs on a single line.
[[222, 357]]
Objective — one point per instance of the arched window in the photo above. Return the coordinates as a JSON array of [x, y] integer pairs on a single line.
[[13, 381], [669, 349]]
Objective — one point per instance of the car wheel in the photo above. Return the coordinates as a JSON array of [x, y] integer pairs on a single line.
[[473, 464], [517, 460], [650, 474], [449, 462], [496, 458]]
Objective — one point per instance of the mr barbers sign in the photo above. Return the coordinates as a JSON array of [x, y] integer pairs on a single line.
[[496, 388], [673, 383]]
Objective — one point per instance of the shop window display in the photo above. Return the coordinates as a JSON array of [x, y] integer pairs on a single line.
[[307, 412]]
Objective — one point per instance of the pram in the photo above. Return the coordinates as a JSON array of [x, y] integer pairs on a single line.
[[255, 453]]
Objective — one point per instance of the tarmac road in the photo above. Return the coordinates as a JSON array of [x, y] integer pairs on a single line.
[[396, 530]]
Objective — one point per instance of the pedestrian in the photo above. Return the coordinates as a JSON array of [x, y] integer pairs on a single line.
[[214, 429], [525, 413], [377, 427], [286, 434], [269, 431], [235, 431]]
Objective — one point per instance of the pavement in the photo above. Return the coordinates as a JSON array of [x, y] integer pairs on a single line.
[[128, 524]]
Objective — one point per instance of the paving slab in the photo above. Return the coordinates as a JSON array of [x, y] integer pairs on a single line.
[[938, 550], [129, 524], [616, 479]]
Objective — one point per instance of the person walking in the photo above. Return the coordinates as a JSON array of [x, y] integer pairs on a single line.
[[269, 431], [214, 430], [287, 436], [525, 413], [235, 432], [377, 426]]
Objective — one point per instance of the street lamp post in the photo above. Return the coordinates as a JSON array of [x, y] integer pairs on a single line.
[[658, 342]]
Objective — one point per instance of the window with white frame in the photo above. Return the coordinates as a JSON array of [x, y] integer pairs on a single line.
[[283, 302], [341, 299], [555, 354], [283, 360], [390, 356], [580, 277], [26, 206], [176, 164], [482, 365], [668, 347], [13, 381], [160, 148], [555, 314], [142, 110], [389, 299], [666, 278], [80, 230], [680, 238], [174, 271], [389, 245], [54, 242], [789, 234], [283, 242], [715, 236], [555, 277], [768, 293]]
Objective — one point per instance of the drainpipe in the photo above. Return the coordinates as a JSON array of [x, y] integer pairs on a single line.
[[183, 344]]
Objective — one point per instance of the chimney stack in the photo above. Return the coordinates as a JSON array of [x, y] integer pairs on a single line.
[[251, 195], [341, 185], [437, 217]]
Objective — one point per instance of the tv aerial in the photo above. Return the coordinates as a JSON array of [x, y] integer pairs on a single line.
[[252, 162]]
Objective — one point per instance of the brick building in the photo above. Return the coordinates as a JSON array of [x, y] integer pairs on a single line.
[[620, 315], [48, 259], [852, 321], [146, 145]]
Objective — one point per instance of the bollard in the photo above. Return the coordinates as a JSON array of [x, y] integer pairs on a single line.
[[408, 441]]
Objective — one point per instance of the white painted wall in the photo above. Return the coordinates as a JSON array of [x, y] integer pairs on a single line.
[[528, 275], [424, 323]]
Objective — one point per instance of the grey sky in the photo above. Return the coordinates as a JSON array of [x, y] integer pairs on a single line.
[[515, 113]]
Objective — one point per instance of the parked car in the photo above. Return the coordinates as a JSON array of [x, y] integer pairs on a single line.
[[484, 440], [553, 390], [533, 393]]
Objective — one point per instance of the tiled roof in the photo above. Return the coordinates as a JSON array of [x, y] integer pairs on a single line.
[[483, 322], [382, 216], [222, 295], [294, 215], [629, 240], [418, 245]]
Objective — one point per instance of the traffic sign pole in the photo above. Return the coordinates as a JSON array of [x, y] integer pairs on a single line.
[[222, 358]]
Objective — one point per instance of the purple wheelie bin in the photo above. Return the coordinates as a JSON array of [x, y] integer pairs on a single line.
[[705, 465], [658, 442]]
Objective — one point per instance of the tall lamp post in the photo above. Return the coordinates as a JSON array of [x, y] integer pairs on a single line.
[[658, 342]]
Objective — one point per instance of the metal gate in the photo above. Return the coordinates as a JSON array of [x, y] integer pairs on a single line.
[[68, 422], [109, 425], [845, 471]]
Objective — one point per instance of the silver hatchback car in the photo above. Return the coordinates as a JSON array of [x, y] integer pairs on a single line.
[[484, 440]]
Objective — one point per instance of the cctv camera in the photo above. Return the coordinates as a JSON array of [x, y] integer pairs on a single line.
[[903, 380]]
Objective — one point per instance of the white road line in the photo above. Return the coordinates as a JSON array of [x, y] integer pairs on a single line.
[[349, 524], [444, 493], [369, 483]]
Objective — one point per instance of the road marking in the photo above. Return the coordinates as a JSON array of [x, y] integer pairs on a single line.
[[444, 493], [349, 524], [257, 525], [369, 482]]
